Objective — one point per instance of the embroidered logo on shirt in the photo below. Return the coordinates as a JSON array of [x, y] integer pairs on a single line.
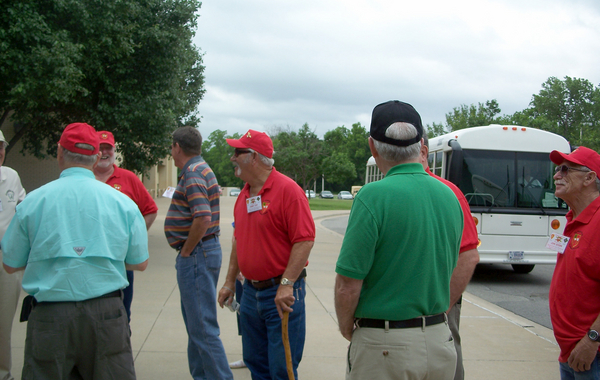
[[574, 243], [117, 186], [265, 206], [79, 250], [10, 195]]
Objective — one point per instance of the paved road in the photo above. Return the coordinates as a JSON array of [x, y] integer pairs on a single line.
[[523, 294]]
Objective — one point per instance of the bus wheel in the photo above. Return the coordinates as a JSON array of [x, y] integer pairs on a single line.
[[523, 268]]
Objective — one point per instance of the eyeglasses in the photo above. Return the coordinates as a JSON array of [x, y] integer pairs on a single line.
[[237, 152], [564, 169]]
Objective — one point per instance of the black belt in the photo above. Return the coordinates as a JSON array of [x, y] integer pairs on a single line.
[[405, 324], [272, 281], [208, 237], [29, 302]]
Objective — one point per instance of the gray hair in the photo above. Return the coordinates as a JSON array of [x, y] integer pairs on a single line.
[[264, 159], [597, 179], [393, 153], [189, 139], [78, 158]]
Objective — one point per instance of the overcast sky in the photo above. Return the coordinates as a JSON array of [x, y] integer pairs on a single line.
[[329, 62]]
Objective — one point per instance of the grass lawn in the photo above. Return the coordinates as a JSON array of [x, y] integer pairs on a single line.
[[329, 204]]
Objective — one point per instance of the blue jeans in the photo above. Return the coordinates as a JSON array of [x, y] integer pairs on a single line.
[[197, 278], [567, 373], [261, 332]]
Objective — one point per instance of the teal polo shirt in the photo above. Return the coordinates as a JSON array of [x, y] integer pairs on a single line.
[[402, 240], [74, 236]]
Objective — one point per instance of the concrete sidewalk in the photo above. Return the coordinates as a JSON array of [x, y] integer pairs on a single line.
[[497, 344]]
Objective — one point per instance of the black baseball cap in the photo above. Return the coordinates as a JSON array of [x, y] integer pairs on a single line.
[[394, 111]]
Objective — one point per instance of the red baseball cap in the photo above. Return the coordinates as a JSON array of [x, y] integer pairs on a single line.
[[106, 137], [80, 133], [255, 140], [581, 156]]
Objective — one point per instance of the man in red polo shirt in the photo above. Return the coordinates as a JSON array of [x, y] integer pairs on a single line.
[[274, 234], [467, 261], [129, 184], [575, 286]]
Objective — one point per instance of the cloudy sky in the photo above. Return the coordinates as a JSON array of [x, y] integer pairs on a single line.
[[329, 62]]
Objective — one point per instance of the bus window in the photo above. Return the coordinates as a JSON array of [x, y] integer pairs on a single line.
[[430, 160], [438, 163], [508, 179]]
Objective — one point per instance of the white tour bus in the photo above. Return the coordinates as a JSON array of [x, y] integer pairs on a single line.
[[506, 175]]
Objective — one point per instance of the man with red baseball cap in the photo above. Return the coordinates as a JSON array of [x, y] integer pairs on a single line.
[[274, 234], [575, 285], [74, 238], [129, 184]]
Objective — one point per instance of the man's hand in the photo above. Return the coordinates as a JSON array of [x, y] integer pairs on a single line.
[[583, 355], [225, 294], [284, 299]]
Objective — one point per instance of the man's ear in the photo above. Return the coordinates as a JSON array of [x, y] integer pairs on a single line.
[[374, 152]]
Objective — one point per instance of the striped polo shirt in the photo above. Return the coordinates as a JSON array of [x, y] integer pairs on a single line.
[[196, 195]]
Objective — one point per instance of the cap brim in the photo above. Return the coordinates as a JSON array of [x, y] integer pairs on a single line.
[[560, 157], [236, 143]]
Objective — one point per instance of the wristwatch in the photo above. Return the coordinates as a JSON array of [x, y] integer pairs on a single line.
[[285, 281], [593, 335]]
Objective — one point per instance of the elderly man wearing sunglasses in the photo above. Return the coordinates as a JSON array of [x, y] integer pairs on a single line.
[[575, 286]]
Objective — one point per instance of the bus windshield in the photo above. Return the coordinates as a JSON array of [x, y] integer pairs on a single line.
[[508, 179]]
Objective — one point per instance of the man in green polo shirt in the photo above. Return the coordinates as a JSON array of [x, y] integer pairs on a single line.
[[400, 248]]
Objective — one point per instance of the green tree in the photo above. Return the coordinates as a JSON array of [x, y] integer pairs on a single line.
[[568, 107], [217, 153], [436, 129], [470, 116], [127, 66], [299, 155], [338, 168]]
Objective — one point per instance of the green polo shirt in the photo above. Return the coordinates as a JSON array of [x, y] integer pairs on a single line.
[[402, 240]]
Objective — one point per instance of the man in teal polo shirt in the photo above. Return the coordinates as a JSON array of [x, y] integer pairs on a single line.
[[74, 238], [400, 248]]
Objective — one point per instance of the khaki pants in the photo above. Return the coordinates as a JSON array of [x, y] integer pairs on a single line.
[[10, 291], [402, 354]]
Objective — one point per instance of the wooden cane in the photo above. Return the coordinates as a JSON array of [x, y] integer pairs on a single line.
[[286, 345]]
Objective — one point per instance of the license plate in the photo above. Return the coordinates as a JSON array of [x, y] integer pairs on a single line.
[[516, 255]]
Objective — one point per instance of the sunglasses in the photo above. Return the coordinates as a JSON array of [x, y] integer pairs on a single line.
[[237, 152], [564, 169]]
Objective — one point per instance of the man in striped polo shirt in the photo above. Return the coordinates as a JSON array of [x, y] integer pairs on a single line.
[[192, 228]]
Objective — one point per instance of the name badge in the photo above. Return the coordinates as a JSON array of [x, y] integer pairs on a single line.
[[169, 192], [557, 242], [253, 204]]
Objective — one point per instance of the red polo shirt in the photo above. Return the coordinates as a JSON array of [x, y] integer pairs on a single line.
[[265, 238], [469, 239], [129, 184], [575, 283]]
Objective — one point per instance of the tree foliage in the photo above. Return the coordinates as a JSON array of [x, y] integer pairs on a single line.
[[568, 107], [299, 155], [126, 66], [217, 153]]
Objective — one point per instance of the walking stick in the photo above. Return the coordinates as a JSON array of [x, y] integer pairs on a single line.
[[286, 345]]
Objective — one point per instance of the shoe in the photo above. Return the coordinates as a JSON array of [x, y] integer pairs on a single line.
[[238, 364]]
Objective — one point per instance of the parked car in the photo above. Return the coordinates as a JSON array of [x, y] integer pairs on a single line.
[[310, 193], [326, 194], [345, 195], [234, 192]]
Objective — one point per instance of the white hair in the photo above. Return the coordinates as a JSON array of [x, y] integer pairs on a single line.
[[78, 158], [264, 159], [393, 153]]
